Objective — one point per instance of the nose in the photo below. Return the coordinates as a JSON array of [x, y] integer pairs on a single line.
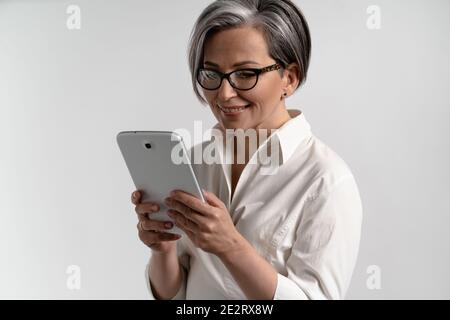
[[226, 91]]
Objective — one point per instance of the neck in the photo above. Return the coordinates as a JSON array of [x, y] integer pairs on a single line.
[[274, 121]]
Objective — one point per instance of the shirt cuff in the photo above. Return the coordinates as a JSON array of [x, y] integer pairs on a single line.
[[181, 294], [288, 290]]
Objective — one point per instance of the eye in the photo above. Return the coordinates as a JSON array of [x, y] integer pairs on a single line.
[[244, 74], [209, 74]]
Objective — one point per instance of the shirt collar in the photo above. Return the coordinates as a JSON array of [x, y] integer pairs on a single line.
[[290, 134]]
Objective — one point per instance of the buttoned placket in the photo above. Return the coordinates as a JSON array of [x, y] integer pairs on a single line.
[[238, 198], [253, 166]]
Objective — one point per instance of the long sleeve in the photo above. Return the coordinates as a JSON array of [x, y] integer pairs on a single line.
[[183, 258], [327, 242]]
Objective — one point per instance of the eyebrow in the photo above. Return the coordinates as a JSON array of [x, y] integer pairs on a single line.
[[234, 65]]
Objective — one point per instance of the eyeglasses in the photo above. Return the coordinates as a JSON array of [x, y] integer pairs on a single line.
[[242, 79]]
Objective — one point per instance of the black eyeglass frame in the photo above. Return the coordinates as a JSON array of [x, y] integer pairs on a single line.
[[257, 71]]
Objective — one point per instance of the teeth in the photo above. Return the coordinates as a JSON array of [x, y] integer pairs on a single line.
[[231, 110]]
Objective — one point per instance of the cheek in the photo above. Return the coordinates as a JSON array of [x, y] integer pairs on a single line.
[[266, 95], [209, 95]]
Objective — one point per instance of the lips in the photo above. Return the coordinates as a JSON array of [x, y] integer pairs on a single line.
[[232, 109]]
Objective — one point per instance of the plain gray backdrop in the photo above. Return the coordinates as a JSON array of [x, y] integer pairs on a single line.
[[379, 98]]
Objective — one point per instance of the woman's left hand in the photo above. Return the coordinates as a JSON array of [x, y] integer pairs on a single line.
[[208, 224]]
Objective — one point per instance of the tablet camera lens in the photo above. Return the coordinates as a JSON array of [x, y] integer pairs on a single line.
[[148, 145]]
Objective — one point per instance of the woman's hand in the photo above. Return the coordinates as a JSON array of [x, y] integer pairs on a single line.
[[152, 232], [208, 225]]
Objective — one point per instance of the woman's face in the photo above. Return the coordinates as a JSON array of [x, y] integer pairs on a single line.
[[232, 49]]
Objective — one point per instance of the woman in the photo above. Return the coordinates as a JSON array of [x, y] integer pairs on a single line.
[[289, 235]]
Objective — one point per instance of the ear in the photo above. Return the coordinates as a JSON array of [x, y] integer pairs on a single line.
[[290, 78]]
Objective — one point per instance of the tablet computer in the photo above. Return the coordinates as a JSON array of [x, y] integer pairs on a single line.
[[158, 163]]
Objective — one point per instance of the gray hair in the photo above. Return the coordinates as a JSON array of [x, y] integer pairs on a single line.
[[283, 24]]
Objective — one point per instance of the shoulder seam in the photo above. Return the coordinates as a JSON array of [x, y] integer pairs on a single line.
[[313, 197]]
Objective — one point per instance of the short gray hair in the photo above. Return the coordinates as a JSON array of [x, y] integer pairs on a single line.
[[283, 24]]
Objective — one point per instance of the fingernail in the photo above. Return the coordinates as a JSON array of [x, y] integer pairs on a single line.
[[168, 225]]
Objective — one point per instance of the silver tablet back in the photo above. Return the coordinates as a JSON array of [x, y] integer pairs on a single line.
[[151, 158]]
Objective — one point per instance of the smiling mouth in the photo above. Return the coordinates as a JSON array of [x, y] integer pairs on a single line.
[[234, 109]]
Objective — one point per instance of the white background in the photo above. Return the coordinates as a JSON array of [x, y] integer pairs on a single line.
[[379, 98]]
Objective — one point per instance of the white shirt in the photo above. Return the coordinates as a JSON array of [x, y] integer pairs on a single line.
[[305, 220]]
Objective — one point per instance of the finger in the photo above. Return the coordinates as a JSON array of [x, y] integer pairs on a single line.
[[191, 201], [166, 237], [142, 217], [189, 214], [190, 234], [152, 237], [182, 222], [146, 208], [136, 197], [212, 199], [154, 225]]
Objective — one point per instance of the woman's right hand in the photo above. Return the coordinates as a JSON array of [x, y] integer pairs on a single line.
[[152, 232]]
